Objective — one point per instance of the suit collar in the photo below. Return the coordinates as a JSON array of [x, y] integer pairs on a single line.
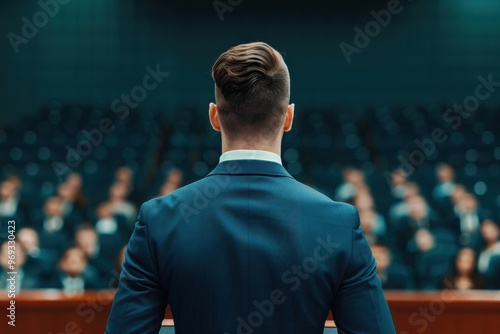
[[250, 155], [250, 167]]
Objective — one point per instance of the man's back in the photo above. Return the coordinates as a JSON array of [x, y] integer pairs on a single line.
[[248, 249]]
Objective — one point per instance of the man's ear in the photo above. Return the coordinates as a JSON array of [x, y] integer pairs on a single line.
[[290, 110], [213, 114]]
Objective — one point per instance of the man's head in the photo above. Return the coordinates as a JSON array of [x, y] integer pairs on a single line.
[[252, 92]]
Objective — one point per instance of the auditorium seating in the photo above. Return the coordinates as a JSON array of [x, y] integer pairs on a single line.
[[324, 141]]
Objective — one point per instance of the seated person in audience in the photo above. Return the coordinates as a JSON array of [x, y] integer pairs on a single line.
[[173, 181], [443, 191], [87, 240], [398, 182], [392, 275], [74, 275], [107, 223], [11, 206], [467, 221], [400, 209], [119, 205], [371, 224], [431, 257], [419, 216], [458, 192], [125, 175], [54, 231], [446, 181], [490, 234], [42, 260], [73, 211], [74, 180], [26, 275], [354, 179], [112, 230], [464, 275], [374, 221]]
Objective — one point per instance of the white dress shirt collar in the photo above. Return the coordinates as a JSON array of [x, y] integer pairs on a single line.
[[250, 155]]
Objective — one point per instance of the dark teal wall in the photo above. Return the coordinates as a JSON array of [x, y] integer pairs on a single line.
[[95, 50]]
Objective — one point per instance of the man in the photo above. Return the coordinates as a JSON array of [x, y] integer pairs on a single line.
[[248, 249]]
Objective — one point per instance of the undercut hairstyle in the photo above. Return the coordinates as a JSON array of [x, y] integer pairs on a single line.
[[252, 90]]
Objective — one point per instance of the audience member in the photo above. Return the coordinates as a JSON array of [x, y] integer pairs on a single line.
[[119, 205], [106, 222], [419, 217], [87, 240], [431, 258], [354, 180], [446, 182], [467, 221], [398, 183], [393, 276], [74, 204], [43, 261], [490, 234], [26, 275], [11, 206], [464, 275], [373, 221], [400, 209], [173, 181], [74, 274], [443, 191], [53, 230], [125, 175]]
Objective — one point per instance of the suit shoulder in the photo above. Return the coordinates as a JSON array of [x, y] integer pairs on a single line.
[[316, 195]]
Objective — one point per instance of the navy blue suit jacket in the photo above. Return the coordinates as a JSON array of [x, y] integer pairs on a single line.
[[248, 249]]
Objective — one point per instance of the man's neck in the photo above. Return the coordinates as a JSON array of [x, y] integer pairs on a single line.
[[237, 145]]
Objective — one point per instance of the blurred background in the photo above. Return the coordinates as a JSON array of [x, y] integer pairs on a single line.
[[104, 106]]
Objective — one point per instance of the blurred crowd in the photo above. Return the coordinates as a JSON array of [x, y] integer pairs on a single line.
[[447, 241], [70, 243]]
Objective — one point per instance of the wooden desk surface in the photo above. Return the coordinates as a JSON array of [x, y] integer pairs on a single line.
[[447, 311]]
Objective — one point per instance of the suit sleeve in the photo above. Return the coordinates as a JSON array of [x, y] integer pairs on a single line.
[[359, 304], [140, 300]]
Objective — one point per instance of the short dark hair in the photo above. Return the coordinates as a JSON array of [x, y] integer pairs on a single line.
[[252, 89]]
